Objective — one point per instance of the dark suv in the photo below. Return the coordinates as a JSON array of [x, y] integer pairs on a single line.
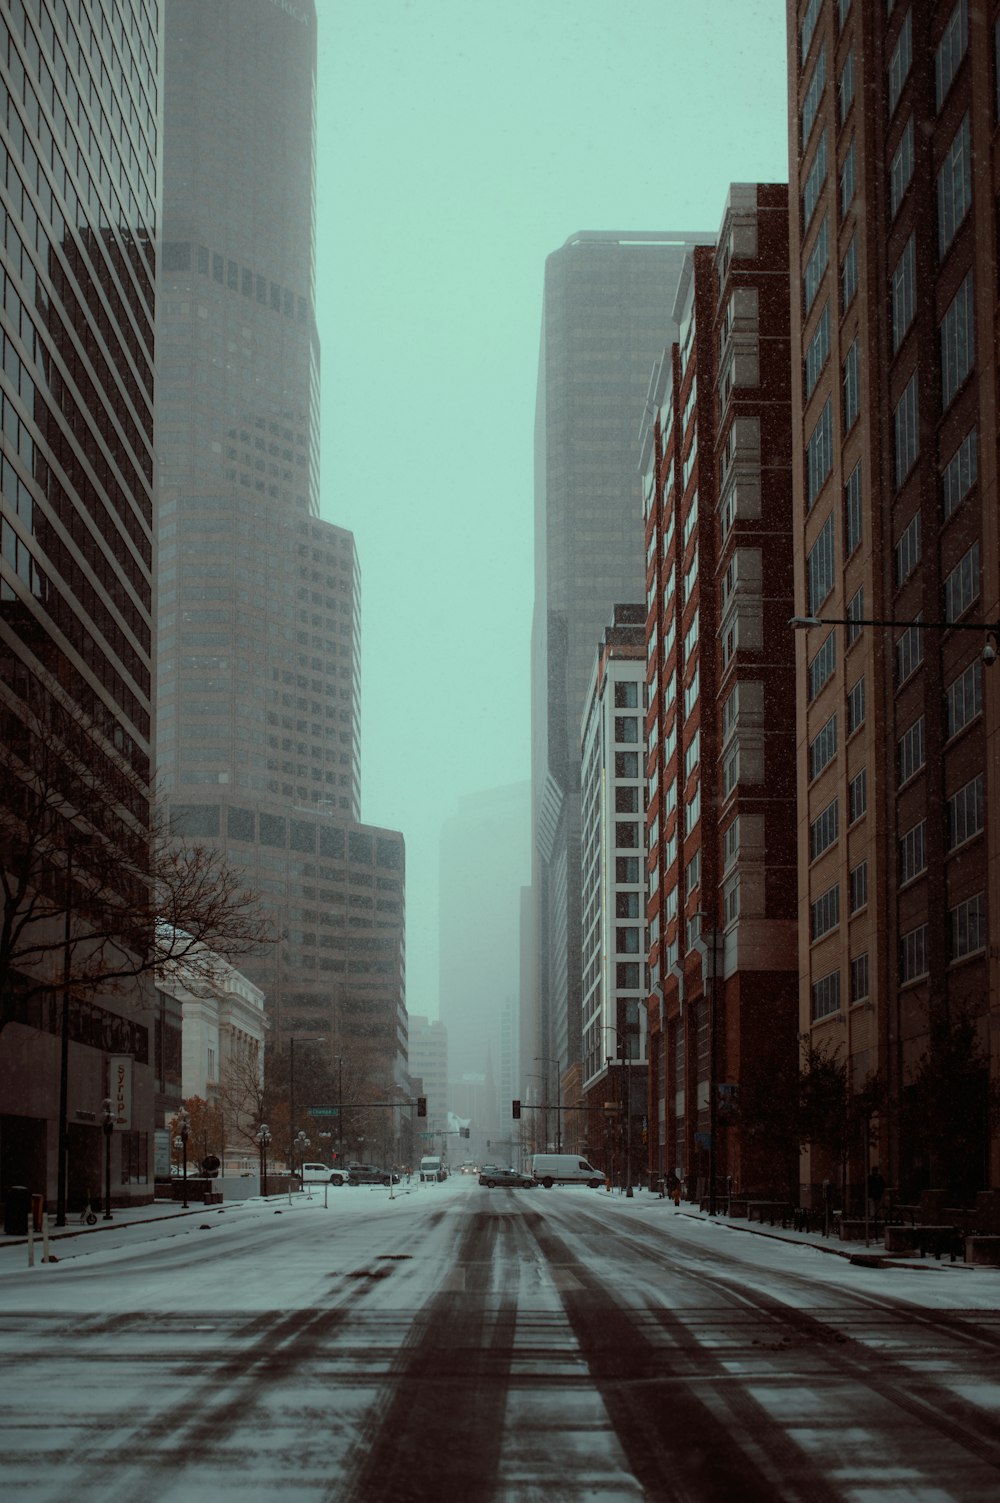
[[369, 1174]]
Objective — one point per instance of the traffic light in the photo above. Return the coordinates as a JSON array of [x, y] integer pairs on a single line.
[[465, 1132], [515, 1109], [421, 1106]]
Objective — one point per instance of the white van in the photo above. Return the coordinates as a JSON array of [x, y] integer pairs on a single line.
[[564, 1169], [432, 1171]]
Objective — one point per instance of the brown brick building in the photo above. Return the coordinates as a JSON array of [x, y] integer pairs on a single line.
[[893, 118], [720, 719]]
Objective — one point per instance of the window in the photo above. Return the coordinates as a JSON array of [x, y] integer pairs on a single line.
[[859, 978], [822, 665], [626, 835], [959, 474], [855, 615], [954, 187], [626, 764], [901, 61], [850, 380], [626, 728], [845, 87], [814, 93], [903, 288], [909, 651], [967, 927], [693, 754], [626, 868], [818, 350], [815, 178], [848, 181], [731, 844], [627, 799], [857, 796], [824, 914], [852, 511], [849, 274], [691, 694], [858, 882], [825, 996], [820, 566], [913, 853], [692, 811], [910, 751], [964, 698], [843, 11], [823, 831], [961, 587], [856, 706], [901, 168], [907, 550], [626, 694], [951, 50], [965, 813], [692, 873], [627, 939], [905, 430], [823, 748], [913, 954], [958, 343], [809, 26], [819, 454], [817, 263]]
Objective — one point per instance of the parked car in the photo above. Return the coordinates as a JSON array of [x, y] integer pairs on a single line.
[[370, 1174], [511, 1179], [321, 1174]]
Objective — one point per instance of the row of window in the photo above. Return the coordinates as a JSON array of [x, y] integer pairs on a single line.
[[966, 936]]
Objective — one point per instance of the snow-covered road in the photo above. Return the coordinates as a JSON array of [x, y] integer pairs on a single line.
[[456, 1344]]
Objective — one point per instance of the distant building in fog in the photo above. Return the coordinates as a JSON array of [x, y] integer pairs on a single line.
[[484, 864], [258, 707], [429, 1063]]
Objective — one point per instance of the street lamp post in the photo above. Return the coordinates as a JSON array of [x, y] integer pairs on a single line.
[[263, 1138], [291, 1094], [625, 1084], [545, 1060], [183, 1128], [108, 1123], [990, 629], [340, 1109]]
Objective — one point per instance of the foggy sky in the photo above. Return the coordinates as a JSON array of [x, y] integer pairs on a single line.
[[459, 142]]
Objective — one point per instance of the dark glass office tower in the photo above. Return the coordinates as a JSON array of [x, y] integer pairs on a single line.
[[78, 137], [258, 706]]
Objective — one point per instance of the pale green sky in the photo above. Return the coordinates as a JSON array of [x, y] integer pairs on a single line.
[[460, 141]]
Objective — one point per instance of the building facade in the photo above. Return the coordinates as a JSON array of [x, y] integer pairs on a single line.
[[606, 314], [258, 708], [613, 905], [720, 716], [79, 97], [893, 113]]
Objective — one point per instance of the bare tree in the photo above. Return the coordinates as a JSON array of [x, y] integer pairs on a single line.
[[96, 892]]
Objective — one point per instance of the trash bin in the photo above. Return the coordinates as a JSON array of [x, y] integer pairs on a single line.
[[16, 1204]]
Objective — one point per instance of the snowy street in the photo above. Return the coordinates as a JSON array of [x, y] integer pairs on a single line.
[[455, 1343]]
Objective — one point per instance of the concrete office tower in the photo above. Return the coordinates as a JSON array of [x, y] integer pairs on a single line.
[[78, 134], [484, 862], [613, 899], [894, 249], [721, 720], [258, 690], [429, 1066], [606, 317]]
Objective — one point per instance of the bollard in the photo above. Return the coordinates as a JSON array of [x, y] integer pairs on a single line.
[[45, 1236], [31, 1242]]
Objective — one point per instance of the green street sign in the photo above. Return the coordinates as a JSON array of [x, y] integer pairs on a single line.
[[324, 1111]]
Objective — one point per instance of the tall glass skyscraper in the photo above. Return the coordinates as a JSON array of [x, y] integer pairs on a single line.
[[79, 85], [258, 707]]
